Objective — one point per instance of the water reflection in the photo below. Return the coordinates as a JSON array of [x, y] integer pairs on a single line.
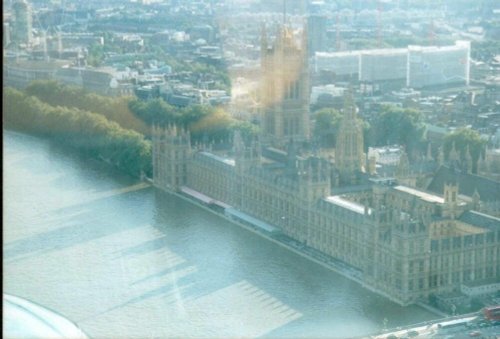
[[123, 259]]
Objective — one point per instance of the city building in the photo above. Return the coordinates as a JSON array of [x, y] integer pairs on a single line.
[[21, 32], [404, 243], [344, 65], [316, 29], [415, 66], [349, 155], [285, 88], [432, 66], [383, 66]]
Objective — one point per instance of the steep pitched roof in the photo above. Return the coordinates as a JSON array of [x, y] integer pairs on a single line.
[[489, 190], [481, 220]]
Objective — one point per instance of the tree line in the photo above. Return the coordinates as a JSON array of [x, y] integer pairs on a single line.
[[392, 125], [205, 123], [113, 108], [116, 129], [91, 134]]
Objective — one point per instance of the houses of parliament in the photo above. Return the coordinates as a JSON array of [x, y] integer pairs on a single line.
[[407, 244]]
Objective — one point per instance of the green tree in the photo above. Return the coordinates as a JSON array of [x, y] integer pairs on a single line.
[[396, 125], [248, 130], [113, 108], [326, 126], [193, 113], [214, 127], [463, 138], [90, 134]]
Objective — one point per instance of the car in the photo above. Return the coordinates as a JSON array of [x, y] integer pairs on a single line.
[[474, 334]]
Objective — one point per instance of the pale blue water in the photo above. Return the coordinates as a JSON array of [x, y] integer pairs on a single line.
[[122, 259]]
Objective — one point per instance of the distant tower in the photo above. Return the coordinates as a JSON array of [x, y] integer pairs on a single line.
[[316, 29], [245, 156], [403, 174], [468, 160], [284, 88], [440, 158], [429, 156], [22, 25], [450, 199], [349, 157], [372, 165], [476, 200], [453, 156], [171, 151]]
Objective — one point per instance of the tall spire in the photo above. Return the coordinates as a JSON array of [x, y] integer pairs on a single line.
[[429, 151], [453, 155], [403, 170], [468, 159], [349, 156]]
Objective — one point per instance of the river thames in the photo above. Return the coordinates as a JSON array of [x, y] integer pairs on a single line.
[[123, 260]]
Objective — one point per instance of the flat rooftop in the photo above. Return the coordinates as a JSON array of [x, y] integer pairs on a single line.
[[429, 197], [341, 202], [227, 161]]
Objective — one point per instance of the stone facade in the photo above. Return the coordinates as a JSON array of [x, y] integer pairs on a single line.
[[349, 156], [284, 89], [405, 243]]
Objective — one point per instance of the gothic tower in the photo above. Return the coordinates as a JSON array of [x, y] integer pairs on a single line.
[[171, 152], [245, 156], [403, 174], [450, 208], [284, 88], [349, 157]]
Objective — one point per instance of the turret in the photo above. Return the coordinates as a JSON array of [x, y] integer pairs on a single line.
[[450, 199], [476, 200], [349, 156], [468, 160], [171, 152], [453, 155], [245, 156]]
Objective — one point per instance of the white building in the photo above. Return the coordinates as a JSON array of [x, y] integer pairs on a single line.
[[383, 64], [415, 66], [430, 66], [342, 63]]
